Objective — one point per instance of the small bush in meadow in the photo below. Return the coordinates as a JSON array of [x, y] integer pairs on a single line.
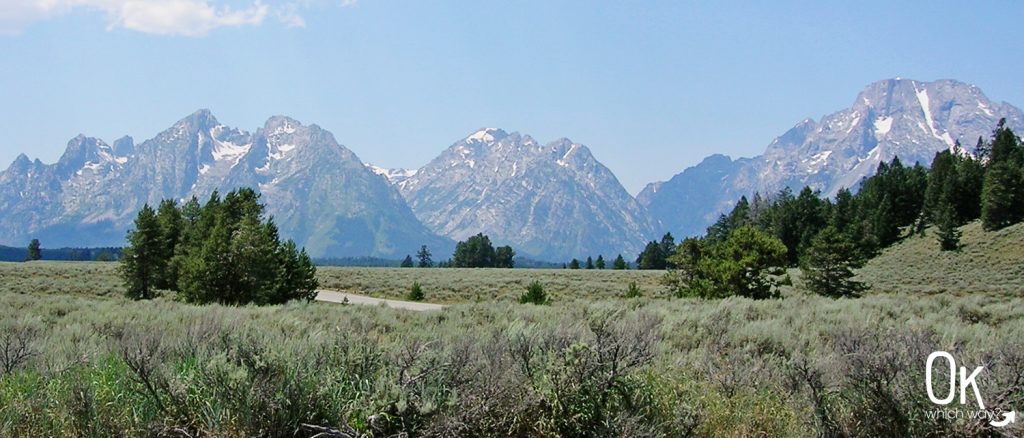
[[534, 294], [415, 292], [633, 291]]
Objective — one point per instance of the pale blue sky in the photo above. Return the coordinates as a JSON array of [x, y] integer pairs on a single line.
[[651, 87]]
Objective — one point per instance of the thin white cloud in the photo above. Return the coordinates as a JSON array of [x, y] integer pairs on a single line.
[[289, 15], [161, 17], [182, 17]]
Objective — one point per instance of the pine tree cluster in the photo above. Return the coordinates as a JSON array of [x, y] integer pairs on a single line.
[[829, 238], [478, 252], [220, 252]]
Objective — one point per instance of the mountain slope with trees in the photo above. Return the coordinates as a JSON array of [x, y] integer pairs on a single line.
[[897, 117], [829, 238]]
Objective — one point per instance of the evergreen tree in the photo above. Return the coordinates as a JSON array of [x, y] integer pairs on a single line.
[[407, 262], [535, 294], [475, 252], [504, 257], [633, 291], [1001, 195], [968, 187], [599, 263], [738, 266], [296, 275], [169, 220], [590, 263], [686, 262], [253, 253], [937, 195], [884, 226], [652, 257], [34, 251], [844, 211], [668, 248], [619, 263], [949, 234], [828, 266], [141, 261], [748, 257], [416, 292], [738, 217], [574, 264], [424, 257], [222, 252]]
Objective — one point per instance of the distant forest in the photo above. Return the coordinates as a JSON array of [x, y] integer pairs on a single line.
[[12, 254]]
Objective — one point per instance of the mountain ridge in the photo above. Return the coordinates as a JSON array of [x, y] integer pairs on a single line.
[[319, 192]]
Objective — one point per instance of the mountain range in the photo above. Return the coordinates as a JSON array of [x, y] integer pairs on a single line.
[[550, 201], [318, 191]]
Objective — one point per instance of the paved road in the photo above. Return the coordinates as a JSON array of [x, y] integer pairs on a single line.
[[338, 297]]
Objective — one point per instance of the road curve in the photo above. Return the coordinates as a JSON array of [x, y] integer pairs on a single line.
[[331, 296]]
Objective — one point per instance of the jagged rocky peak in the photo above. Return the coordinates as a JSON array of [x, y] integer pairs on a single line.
[[86, 152], [21, 164], [202, 119], [278, 125], [124, 146]]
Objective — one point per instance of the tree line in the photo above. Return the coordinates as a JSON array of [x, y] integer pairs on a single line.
[[223, 251], [618, 264], [475, 252]]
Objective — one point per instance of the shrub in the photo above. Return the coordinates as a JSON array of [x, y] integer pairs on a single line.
[[415, 292], [633, 291], [534, 294]]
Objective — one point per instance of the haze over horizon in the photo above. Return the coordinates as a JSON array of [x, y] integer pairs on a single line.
[[651, 90]]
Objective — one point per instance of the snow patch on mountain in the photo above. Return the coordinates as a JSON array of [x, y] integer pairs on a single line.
[[882, 126], [394, 176]]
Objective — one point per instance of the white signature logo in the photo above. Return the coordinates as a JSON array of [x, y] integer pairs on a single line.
[[966, 381]]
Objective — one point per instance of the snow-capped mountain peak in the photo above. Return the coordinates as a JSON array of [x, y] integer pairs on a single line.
[[522, 193], [486, 135]]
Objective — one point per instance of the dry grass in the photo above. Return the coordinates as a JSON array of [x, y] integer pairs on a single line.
[[462, 285], [61, 278], [89, 362], [440, 285], [989, 261]]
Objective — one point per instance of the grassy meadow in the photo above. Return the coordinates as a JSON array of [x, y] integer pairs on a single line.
[[78, 359], [988, 261], [459, 285]]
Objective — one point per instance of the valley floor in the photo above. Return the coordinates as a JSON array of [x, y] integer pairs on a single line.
[[78, 359]]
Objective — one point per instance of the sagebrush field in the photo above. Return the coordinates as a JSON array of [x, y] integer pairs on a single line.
[[78, 359]]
